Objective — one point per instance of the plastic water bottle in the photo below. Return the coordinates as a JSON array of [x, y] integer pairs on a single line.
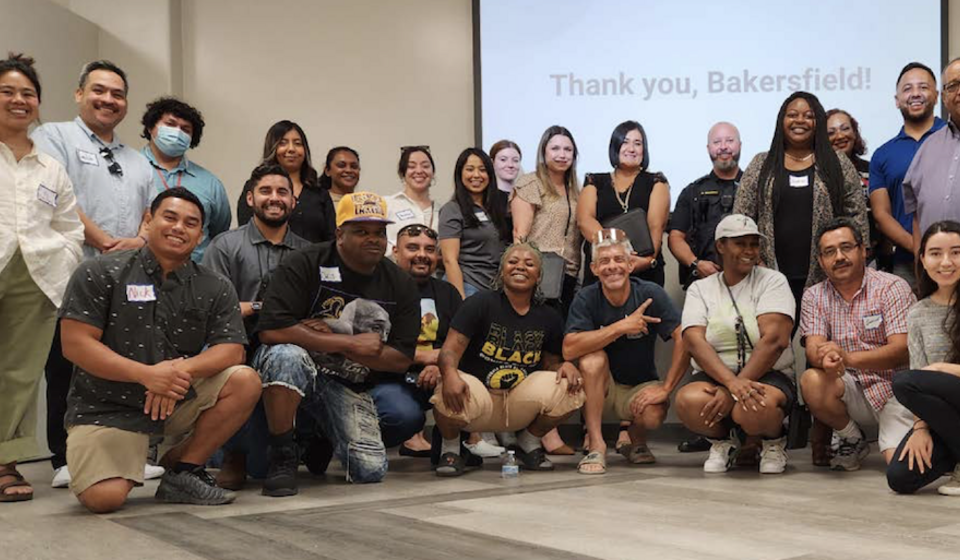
[[510, 468]]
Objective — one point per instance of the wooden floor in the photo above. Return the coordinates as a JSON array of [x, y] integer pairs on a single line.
[[670, 510]]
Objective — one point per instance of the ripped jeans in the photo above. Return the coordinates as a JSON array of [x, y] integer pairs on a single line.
[[347, 417]]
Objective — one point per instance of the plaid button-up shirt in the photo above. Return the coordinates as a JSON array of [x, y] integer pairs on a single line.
[[876, 311]]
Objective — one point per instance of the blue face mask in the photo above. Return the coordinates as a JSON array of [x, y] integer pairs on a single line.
[[171, 141]]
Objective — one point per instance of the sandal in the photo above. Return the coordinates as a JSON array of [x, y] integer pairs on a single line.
[[638, 454], [451, 464], [17, 482], [535, 460], [591, 459]]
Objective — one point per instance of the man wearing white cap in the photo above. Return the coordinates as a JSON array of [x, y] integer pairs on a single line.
[[737, 326]]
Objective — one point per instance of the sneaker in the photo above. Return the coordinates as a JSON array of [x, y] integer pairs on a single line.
[[952, 487], [281, 479], [485, 449], [850, 454], [151, 472], [61, 478], [773, 457], [192, 487], [723, 453]]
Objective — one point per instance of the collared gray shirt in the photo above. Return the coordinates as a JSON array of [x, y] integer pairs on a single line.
[[148, 319], [930, 185], [114, 202], [247, 259]]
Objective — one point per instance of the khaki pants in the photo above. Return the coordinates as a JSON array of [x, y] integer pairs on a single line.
[[495, 410], [98, 453], [27, 322], [616, 405]]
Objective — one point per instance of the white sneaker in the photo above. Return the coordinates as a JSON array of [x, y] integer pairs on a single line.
[[723, 453], [850, 454], [151, 472], [773, 456], [61, 478], [484, 449], [952, 487]]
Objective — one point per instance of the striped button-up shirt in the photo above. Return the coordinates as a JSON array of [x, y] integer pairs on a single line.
[[877, 311]]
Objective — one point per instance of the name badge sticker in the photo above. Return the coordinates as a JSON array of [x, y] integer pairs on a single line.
[[140, 292], [406, 214], [330, 274], [872, 321], [799, 182], [482, 216], [88, 158], [47, 195]]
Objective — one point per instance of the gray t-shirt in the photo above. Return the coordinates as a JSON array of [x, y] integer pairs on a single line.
[[480, 247], [927, 338]]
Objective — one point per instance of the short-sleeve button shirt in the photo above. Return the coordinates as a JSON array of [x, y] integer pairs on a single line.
[[146, 318]]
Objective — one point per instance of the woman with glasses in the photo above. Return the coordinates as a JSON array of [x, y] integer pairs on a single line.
[[413, 204], [736, 325], [473, 225], [314, 216], [40, 244]]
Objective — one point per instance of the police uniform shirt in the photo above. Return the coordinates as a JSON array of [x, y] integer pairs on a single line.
[[700, 208]]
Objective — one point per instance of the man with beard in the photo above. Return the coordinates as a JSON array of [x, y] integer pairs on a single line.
[[916, 98], [247, 257], [311, 287], [703, 204], [854, 327]]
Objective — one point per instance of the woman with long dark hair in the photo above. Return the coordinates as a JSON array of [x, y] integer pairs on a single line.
[[314, 216], [931, 389], [473, 225], [341, 172], [797, 187]]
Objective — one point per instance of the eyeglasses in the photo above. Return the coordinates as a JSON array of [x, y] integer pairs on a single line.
[[952, 87], [845, 248], [423, 148], [114, 167], [414, 230]]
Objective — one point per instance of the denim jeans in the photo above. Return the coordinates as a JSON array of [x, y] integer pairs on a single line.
[[348, 418], [400, 406]]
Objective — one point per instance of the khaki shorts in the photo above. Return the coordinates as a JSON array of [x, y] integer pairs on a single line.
[[98, 453], [893, 419], [495, 410], [616, 405]]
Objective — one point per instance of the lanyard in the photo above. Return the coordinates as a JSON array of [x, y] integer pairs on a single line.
[[164, 181], [743, 338]]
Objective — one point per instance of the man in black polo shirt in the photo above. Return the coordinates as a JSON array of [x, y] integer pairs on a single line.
[[247, 256], [337, 319], [158, 343]]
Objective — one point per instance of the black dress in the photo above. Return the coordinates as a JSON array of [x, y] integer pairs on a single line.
[[313, 219], [608, 205]]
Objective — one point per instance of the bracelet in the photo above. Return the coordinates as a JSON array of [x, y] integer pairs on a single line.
[[144, 240], [922, 428]]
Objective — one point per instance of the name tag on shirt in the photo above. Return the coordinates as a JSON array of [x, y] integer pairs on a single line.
[[801, 181], [406, 214], [47, 195], [141, 292], [330, 274], [872, 321], [482, 216], [88, 158]]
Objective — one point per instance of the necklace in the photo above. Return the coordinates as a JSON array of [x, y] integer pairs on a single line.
[[625, 201], [795, 158]]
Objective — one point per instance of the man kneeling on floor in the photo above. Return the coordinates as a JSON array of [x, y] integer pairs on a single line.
[[854, 327], [157, 341], [609, 331], [501, 368]]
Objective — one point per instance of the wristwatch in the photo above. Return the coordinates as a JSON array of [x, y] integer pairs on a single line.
[[256, 305], [696, 271], [653, 262]]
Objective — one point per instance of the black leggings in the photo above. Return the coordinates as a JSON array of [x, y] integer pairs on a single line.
[[935, 398]]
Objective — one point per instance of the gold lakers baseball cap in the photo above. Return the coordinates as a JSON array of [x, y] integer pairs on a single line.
[[362, 207]]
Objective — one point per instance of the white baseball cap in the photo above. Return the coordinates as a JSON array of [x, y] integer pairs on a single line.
[[737, 225]]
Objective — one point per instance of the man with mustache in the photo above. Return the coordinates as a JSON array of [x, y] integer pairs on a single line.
[[113, 184], [916, 98], [247, 257], [302, 361], [854, 328]]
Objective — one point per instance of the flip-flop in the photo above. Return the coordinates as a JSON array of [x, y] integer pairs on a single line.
[[593, 458], [18, 481]]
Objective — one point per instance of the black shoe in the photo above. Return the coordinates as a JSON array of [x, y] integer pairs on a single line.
[[192, 487], [317, 452], [535, 460], [281, 479], [451, 464], [418, 453], [695, 444]]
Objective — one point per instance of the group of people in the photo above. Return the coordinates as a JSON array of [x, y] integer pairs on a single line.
[[333, 318]]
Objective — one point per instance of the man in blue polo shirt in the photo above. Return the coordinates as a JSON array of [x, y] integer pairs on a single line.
[[916, 98], [172, 127]]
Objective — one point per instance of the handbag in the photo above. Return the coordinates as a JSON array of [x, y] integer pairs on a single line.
[[551, 275], [634, 224]]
